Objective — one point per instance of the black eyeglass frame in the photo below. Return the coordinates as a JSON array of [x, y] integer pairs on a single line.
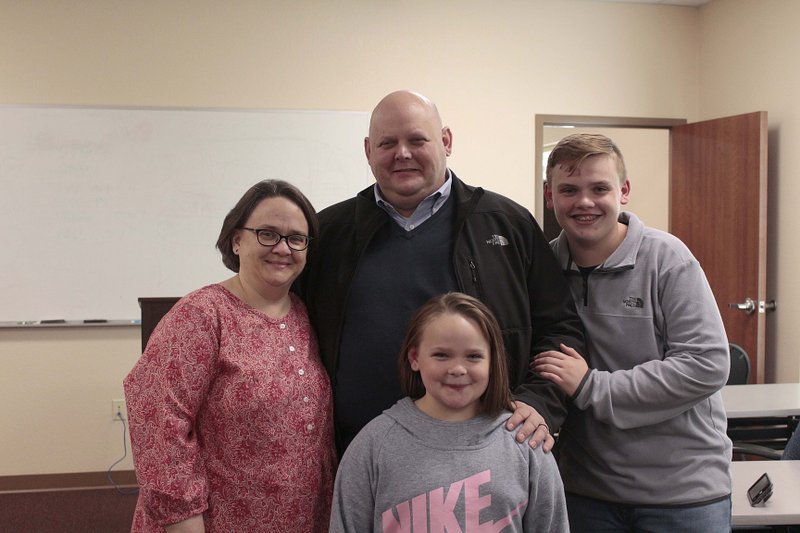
[[259, 231]]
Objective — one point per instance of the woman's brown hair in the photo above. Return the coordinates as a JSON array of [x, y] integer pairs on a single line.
[[238, 216]]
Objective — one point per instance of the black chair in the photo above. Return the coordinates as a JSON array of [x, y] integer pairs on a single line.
[[790, 453], [740, 366]]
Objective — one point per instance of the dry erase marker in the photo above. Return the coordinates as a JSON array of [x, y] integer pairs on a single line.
[[26, 322]]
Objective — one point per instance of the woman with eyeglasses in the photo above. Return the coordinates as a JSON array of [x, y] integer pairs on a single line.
[[229, 405]]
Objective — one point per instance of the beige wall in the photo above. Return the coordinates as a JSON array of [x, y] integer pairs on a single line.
[[56, 389], [491, 67], [749, 63]]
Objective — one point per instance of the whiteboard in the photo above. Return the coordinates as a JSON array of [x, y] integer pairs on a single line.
[[100, 206]]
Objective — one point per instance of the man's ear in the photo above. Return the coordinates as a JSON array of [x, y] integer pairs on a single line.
[[413, 359], [447, 140], [625, 192], [548, 195], [367, 147]]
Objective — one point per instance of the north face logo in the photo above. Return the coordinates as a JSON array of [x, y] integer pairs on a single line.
[[498, 240], [633, 301]]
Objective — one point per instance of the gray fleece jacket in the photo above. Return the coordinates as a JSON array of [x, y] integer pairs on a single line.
[[647, 426], [408, 472]]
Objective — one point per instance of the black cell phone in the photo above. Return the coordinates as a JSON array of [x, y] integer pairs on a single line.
[[760, 491]]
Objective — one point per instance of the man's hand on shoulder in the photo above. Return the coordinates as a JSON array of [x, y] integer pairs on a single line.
[[531, 426]]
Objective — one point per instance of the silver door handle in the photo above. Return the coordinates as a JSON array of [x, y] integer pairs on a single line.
[[749, 306]]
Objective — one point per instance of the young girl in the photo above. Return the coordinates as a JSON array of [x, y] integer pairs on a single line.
[[441, 459]]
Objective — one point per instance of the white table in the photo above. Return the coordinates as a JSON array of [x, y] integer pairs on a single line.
[[783, 508], [761, 400]]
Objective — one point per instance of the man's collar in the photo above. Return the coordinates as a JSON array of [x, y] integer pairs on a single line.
[[442, 193], [424, 210]]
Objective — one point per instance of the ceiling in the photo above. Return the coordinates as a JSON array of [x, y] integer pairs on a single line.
[[692, 3]]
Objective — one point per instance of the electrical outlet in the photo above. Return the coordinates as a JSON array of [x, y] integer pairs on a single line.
[[118, 408]]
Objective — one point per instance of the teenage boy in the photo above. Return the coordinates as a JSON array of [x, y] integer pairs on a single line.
[[644, 447]]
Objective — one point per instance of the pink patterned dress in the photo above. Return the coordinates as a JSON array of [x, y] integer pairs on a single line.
[[230, 416]]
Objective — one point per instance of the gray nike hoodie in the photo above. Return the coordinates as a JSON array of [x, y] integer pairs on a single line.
[[408, 472]]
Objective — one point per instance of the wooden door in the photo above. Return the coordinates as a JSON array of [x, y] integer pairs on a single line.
[[718, 207]]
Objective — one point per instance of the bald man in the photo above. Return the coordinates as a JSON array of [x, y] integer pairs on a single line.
[[417, 232]]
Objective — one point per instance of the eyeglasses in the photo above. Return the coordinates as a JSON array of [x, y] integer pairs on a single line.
[[267, 237]]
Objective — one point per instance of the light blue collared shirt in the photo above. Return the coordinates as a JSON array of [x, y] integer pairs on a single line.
[[425, 210]]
